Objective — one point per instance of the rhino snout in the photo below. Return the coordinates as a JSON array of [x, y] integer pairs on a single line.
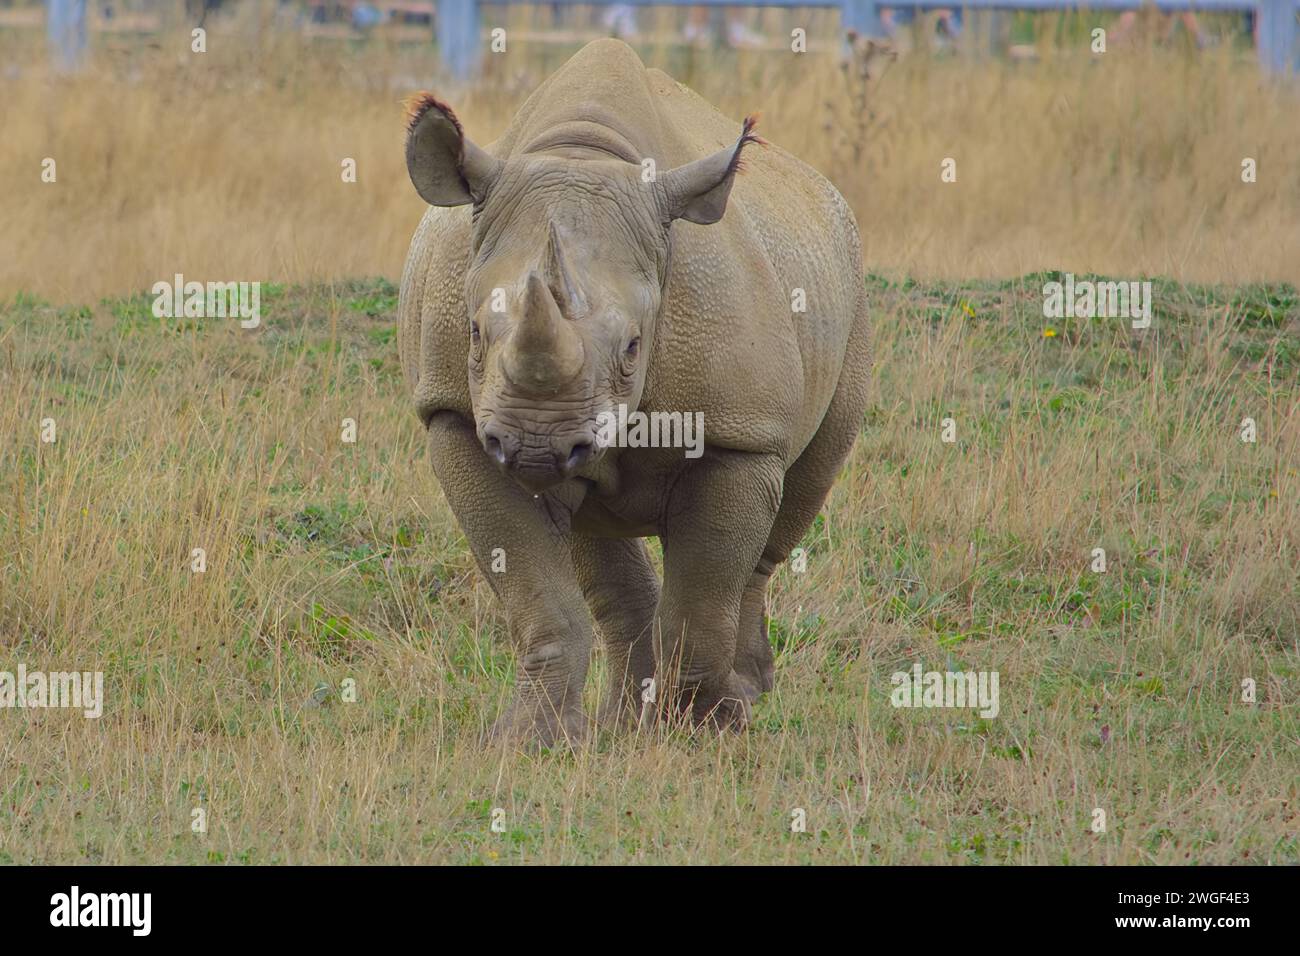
[[538, 461]]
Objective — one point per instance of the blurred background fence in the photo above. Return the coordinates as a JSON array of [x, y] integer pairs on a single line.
[[231, 163], [461, 29]]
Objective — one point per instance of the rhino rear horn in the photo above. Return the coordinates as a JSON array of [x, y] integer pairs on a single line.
[[561, 280], [698, 191], [445, 167]]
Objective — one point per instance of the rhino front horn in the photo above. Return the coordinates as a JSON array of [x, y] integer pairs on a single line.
[[545, 351]]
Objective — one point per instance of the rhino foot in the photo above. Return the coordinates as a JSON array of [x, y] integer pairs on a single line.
[[755, 685], [537, 727], [755, 667], [723, 706], [731, 713]]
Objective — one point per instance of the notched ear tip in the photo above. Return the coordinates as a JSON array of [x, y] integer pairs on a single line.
[[435, 150], [698, 191], [418, 104], [747, 136], [445, 167]]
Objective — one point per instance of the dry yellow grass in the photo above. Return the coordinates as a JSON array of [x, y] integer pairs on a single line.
[[227, 164], [330, 562]]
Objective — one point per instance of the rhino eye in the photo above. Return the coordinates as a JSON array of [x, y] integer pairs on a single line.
[[473, 331], [633, 347]]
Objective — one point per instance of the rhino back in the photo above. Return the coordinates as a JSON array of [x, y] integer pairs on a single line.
[[605, 83], [731, 343]]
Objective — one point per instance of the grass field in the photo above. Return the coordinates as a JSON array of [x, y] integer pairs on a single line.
[[334, 569], [330, 562]]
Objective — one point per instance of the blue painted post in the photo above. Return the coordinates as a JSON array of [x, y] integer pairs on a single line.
[[66, 28], [861, 16], [458, 36], [1277, 34]]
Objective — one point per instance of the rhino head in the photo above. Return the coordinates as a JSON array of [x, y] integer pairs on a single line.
[[568, 264]]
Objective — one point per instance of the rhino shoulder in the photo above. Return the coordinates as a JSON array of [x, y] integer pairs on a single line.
[[432, 341]]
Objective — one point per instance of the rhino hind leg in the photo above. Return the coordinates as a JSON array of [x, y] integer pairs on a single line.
[[754, 663], [622, 591], [807, 483]]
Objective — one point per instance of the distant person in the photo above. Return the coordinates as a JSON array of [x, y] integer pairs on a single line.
[[739, 35], [66, 29], [947, 21], [1122, 31], [620, 20], [366, 16]]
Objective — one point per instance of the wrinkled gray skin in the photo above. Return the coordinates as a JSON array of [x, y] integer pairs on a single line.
[[673, 294]]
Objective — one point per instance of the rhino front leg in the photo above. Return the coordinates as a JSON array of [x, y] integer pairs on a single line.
[[533, 576], [719, 516], [622, 590]]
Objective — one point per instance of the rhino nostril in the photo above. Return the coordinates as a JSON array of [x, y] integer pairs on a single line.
[[494, 448], [578, 455]]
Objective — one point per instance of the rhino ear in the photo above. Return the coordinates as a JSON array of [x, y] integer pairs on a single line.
[[698, 191], [446, 168]]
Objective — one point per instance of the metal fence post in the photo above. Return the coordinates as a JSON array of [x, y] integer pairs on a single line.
[[66, 28], [458, 36], [1277, 34]]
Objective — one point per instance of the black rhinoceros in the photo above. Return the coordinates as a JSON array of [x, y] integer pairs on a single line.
[[603, 259]]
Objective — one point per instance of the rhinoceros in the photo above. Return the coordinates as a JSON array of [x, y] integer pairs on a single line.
[[607, 256]]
